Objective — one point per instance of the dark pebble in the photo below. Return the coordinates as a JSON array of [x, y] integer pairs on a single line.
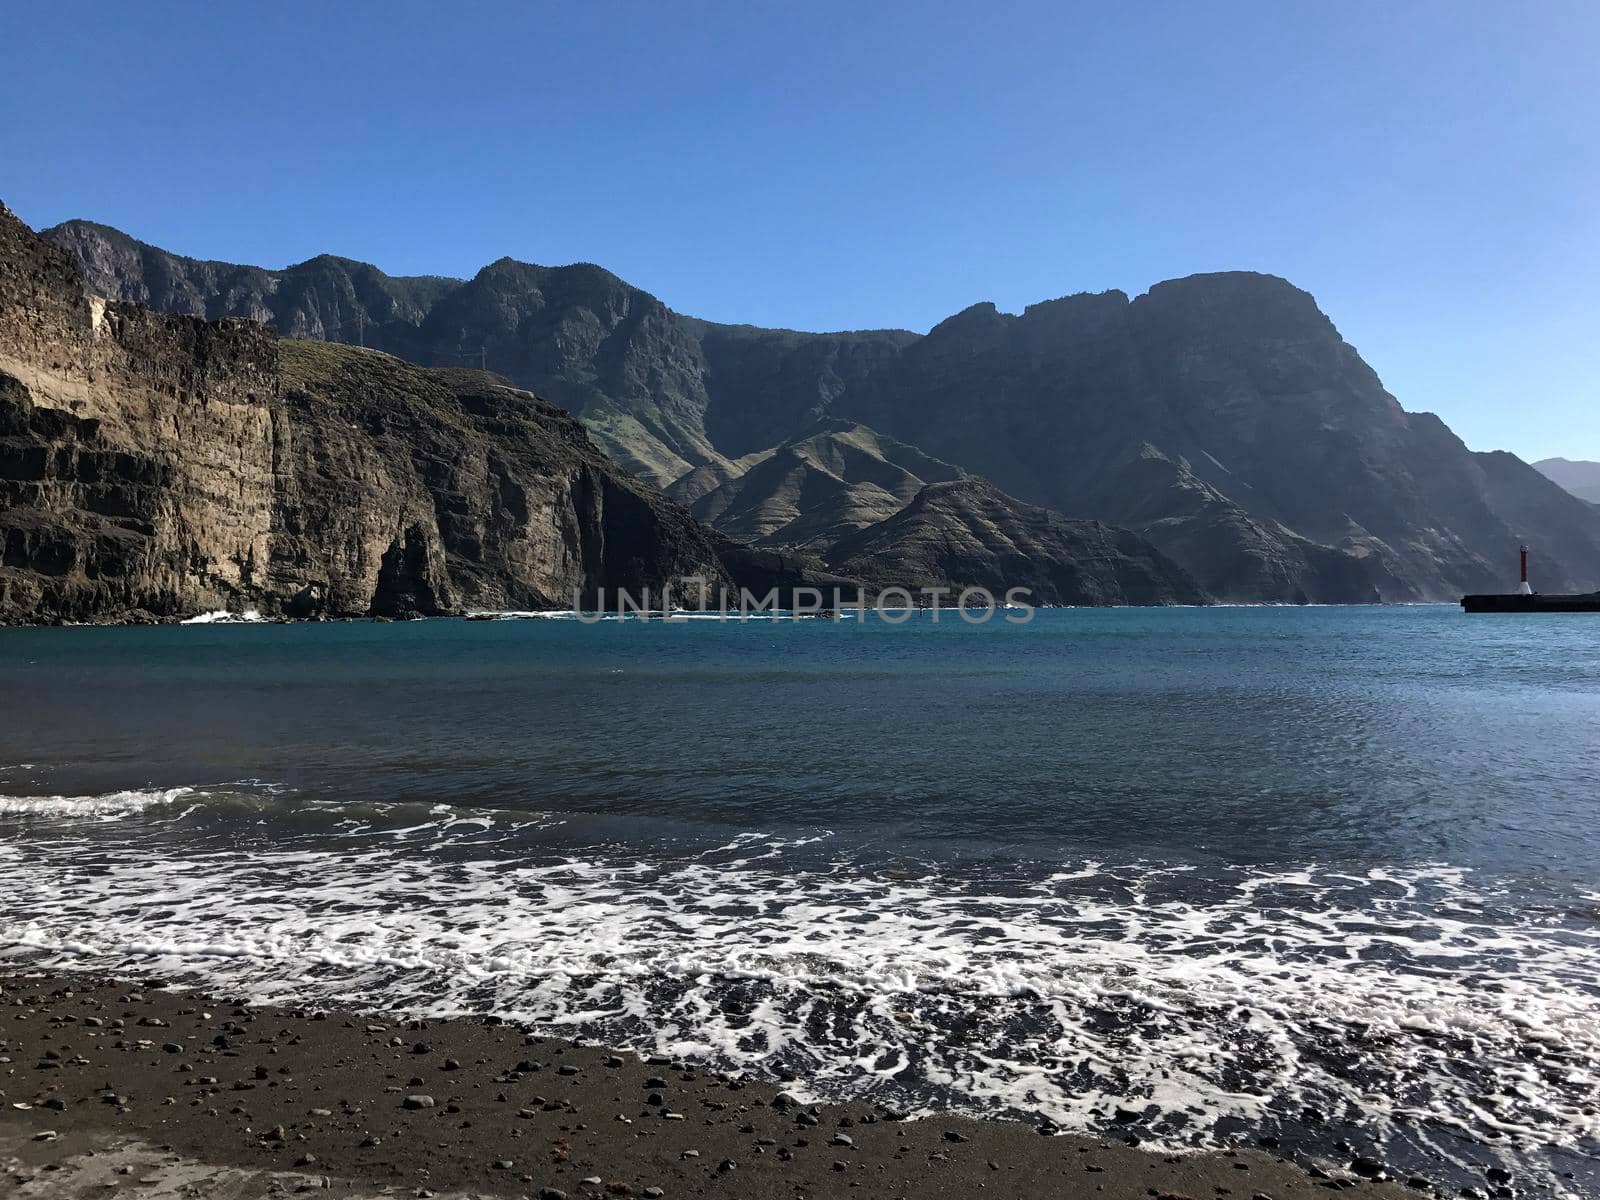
[[1368, 1168]]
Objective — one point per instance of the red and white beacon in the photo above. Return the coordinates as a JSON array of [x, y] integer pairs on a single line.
[[1523, 589]]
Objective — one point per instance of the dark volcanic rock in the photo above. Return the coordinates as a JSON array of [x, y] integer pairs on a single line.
[[661, 393], [325, 298]]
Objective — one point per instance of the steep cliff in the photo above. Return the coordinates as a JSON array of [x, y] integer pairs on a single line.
[[1224, 417], [470, 494], [325, 298], [155, 465]]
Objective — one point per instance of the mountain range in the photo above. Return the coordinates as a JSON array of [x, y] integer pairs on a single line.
[[154, 465], [1221, 417]]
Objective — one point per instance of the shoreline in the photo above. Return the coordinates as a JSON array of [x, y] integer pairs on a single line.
[[219, 618], [212, 1096]]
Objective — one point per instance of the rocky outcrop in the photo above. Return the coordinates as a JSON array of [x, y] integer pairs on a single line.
[[968, 533], [154, 466], [473, 494]]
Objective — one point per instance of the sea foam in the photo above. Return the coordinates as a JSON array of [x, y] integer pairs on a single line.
[[109, 805], [1415, 1005]]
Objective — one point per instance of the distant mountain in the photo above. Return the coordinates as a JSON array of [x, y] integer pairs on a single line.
[[1580, 478], [814, 489], [1224, 417], [968, 533], [1221, 416], [325, 298]]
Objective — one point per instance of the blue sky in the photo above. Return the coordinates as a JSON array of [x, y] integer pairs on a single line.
[[1430, 171]]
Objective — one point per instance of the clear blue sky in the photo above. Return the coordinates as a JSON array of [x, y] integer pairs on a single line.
[[1430, 171]]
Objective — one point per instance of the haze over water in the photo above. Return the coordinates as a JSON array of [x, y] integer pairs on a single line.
[[1198, 873]]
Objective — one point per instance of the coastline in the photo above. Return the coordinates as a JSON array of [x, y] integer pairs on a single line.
[[219, 617], [210, 1096]]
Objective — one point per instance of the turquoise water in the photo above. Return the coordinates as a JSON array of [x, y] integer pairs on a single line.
[[1335, 872]]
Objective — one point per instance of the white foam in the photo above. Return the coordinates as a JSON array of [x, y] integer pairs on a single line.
[[1385, 998], [222, 616], [109, 805]]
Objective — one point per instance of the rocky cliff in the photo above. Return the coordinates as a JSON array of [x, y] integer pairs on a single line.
[[1224, 417], [325, 298], [661, 393], [155, 465]]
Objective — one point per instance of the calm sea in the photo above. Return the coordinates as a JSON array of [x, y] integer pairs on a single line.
[[1195, 874]]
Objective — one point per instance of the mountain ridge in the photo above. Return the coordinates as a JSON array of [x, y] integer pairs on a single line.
[[153, 465], [1219, 414], [1577, 476]]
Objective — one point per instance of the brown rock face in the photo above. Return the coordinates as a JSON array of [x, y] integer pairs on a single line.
[[156, 466], [474, 494]]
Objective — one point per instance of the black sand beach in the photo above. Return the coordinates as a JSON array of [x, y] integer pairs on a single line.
[[111, 1086]]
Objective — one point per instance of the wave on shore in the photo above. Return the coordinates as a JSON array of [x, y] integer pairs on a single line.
[[1419, 1005], [111, 805]]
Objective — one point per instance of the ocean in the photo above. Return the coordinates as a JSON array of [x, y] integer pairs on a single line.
[[1201, 876]]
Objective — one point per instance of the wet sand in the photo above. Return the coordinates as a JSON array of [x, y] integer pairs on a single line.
[[111, 1087]]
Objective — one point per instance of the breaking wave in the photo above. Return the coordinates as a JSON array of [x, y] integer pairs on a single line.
[[1445, 1019], [109, 806]]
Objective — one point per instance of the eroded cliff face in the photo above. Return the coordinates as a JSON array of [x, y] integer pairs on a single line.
[[136, 470], [154, 466], [473, 494]]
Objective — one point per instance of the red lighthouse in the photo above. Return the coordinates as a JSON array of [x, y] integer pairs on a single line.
[[1523, 589]]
